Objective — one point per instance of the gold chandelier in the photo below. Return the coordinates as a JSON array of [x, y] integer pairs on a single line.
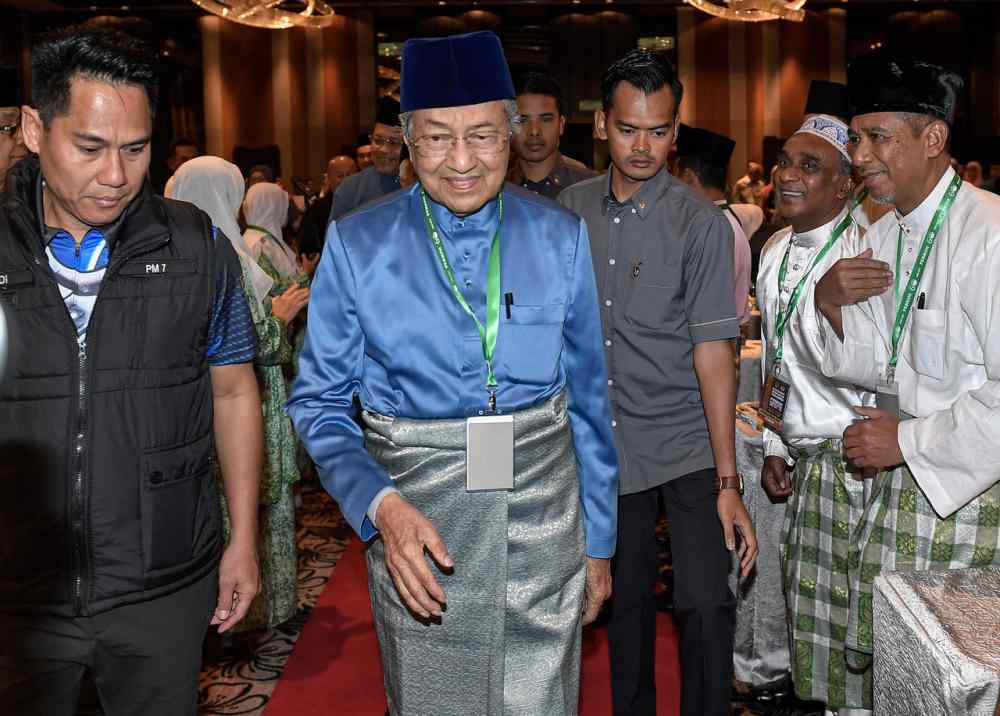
[[753, 10], [271, 14]]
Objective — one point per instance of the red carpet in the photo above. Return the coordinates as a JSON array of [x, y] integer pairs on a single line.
[[335, 666]]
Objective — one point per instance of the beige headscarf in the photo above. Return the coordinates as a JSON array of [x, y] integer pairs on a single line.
[[265, 209], [216, 187]]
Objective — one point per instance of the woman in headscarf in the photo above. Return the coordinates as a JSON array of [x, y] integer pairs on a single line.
[[266, 211], [216, 187]]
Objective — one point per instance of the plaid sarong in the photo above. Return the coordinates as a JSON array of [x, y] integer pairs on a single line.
[[823, 512], [901, 532]]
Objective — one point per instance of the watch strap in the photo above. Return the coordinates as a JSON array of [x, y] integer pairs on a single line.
[[729, 482]]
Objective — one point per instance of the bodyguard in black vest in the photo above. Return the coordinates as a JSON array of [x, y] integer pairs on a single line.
[[129, 367]]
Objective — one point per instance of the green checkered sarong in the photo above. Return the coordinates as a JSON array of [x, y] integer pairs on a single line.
[[901, 532], [823, 512]]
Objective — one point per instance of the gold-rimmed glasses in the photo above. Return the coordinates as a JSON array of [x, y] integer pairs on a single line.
[[437, 145]]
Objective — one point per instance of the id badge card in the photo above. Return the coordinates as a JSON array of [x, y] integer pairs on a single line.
[[773, 401], [489, 457], [887, 397]]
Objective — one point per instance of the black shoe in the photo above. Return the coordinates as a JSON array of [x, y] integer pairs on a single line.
[[779, 699]]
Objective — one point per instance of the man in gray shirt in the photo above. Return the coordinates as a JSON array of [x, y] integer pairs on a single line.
[[663, 259], [539, 165], [382, 177]]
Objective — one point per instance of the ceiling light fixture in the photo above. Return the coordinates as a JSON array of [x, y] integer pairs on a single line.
[[271, 14], [753, 10]]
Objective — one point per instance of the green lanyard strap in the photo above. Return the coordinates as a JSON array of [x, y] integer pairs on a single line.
[[859, 199], [904, 303], [488, 333], [261, 229], [781, 319]]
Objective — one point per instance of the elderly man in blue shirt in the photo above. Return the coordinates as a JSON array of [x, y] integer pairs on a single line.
[[463, 314]]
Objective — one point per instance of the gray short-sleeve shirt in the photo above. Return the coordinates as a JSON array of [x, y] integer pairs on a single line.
[[664, 267]]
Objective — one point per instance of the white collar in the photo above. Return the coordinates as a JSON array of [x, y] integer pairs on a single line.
[[819, 235], [916, 222]]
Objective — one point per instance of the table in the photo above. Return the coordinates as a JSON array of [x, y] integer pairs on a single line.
[[937, 642], [749, 388], [761, 654]]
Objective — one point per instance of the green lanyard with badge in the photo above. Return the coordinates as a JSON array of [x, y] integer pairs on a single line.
[[887, 392], [490, 436], [776, 390]]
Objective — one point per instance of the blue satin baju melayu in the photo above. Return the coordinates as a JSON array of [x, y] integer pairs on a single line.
[[384, 325]]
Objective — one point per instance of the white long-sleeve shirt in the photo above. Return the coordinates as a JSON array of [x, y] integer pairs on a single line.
[[817, 408], [949, 359], [741, 260]]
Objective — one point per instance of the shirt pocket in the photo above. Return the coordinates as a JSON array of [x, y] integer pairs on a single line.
[[927, 342], [532, 340], [650, 304]]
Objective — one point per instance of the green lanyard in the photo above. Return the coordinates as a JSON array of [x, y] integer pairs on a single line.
[[487, 334], [904, 304], [782, 317]]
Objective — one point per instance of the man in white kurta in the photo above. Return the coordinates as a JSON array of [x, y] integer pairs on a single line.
[[825, 495], [934, 505]]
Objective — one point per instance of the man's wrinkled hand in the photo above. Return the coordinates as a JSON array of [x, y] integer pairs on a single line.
[[873, 443], [775, 478], [734, 518], [239, 582], [406, 534], [853, 280], [598, 588]]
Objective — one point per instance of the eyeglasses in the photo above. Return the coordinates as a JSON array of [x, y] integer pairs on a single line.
[[10, 129], [437, 145], [380, 141]]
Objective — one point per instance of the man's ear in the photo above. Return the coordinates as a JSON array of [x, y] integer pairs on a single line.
[[601, 124], [32, 128], [562, 124], [935, 138]]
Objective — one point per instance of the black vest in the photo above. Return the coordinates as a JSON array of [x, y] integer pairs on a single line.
[[106, 492]]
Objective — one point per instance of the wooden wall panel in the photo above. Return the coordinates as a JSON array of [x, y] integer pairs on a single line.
[[297, 88], [749, 81]]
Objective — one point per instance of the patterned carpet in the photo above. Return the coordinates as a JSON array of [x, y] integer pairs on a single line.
[[240, 673]]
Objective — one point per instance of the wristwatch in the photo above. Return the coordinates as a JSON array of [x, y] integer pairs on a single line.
[[729, 482]]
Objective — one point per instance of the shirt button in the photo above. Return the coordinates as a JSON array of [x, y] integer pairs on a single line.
[[607, 343], [633, 209], [611, 261], [614, 423], [618, 220], [468, 284], [608, 302], [795, 267], [610, 382], [909, 250]]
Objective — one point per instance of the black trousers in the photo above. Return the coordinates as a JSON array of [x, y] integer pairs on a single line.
[[704, 605], [145, 658]]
